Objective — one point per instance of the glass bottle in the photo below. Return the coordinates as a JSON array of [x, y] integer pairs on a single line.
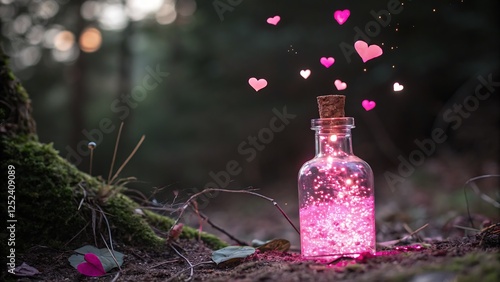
[[336, 196]]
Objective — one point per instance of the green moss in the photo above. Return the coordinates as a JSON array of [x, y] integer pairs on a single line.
[[47, 199], [128, 225], [43, 194]]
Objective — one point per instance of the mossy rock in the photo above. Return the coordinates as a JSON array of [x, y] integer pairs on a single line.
[[47, 191], [47, 199]]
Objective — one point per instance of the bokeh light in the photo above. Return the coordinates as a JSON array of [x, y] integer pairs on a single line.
[[34, 36], [113, 17], [166, 14], [22, 23], [139, 9], [64, 40], [30, 56], [45, 9], [66, 56], [90, 40], [90, 10]]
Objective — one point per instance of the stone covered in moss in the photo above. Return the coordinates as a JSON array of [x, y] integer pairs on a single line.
[[45, 208], [47, 194]]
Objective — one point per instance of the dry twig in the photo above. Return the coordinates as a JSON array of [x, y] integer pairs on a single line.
[[193, 197]]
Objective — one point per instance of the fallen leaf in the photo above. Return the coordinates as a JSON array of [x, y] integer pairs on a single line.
[[232, 254], [25, 270], [103, 254], [281, 245]]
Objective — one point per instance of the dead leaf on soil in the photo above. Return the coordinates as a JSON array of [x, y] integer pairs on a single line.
[[280, 245], [25, 270]]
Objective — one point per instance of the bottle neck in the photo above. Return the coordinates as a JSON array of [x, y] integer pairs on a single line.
[[333, 144], [333, 136]]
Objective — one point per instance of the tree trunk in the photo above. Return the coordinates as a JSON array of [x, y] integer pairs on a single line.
[[47, 190]]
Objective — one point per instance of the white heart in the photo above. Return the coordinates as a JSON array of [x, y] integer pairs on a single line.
[[398, 87], [305, 73], [340, 85]]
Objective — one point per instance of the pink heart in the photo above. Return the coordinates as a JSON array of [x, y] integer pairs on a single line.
[[257, 84], [368, 105], [274, 20], [327, 62], [340, 85], [367, 53], [92, 266], [341, 16]]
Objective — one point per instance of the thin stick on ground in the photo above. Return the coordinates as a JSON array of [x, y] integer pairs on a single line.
[[191, 272], [413, 233], [163, 262], [482, 195], [207, 220], [193, 197], [111, 252], [409, 230], [191, 267], [388, 244]]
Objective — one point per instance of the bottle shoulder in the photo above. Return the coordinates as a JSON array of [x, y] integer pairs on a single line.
[[351, 161]]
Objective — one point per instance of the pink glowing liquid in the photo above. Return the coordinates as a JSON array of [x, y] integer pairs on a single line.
[[343, 226]]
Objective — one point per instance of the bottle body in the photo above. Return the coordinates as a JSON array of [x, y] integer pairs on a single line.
[[336, 196]]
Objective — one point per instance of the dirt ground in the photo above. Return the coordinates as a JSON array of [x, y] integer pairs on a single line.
[[471, 258]]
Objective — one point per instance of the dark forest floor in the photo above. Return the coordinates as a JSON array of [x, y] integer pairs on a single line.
[[471, 258]]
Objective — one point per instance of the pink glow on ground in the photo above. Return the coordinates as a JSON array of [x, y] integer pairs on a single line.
[[341, 226]]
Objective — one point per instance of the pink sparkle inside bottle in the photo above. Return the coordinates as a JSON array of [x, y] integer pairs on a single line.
[[336, 197]]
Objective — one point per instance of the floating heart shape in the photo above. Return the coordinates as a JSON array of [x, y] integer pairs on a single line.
[[92, 266], [341, 16], [398, 87], [257, 84], [367, 52], [274, 20], [368, 105], [305, 73], [327, 62], [340, 85]]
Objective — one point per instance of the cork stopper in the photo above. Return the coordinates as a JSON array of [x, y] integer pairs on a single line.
[[331, 106]]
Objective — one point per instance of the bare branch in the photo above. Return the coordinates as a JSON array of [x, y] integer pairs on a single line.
[[193, 197]]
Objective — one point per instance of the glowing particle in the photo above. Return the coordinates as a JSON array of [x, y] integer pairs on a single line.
[[333, 138]]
